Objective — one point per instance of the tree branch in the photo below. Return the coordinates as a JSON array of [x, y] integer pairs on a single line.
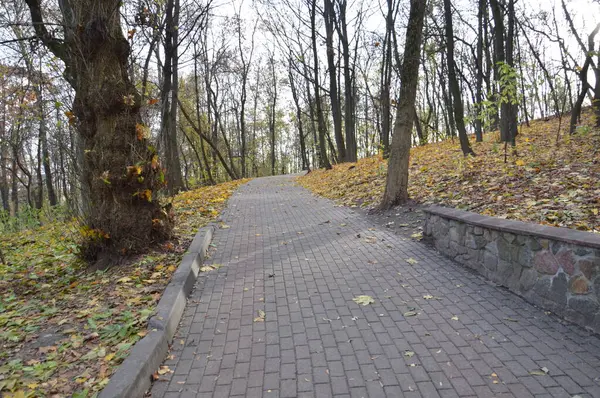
[[53, 44]]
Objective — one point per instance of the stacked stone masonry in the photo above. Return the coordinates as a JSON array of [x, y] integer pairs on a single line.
[[555, 268]]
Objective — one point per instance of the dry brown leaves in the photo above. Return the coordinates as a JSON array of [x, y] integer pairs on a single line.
[[543, 181]]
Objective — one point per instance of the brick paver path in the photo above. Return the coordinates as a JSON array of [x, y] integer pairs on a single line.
[[300, 259]]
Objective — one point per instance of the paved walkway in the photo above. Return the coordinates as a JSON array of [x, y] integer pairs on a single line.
[[302, 260]]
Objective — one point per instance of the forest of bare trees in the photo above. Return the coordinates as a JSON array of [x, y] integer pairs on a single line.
[[109, 107]]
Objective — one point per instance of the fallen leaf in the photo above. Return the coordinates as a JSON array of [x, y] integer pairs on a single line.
[[363, 300], [454, 318], [411, 261], [261, 316], [417, 236], [409, 354]]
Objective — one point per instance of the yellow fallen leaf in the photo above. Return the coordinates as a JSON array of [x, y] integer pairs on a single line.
[[109, 357], [363, 300], [261, 316]]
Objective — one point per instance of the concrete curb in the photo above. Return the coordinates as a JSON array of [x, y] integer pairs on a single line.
[[133, 378]]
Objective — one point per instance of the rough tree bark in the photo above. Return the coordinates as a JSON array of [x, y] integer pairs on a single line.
[[120, 167], [396, 187]]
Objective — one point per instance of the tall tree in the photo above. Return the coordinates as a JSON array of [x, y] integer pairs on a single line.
[[120, 168], [272, 112], [481, 10], [503, 51], [386, 78], [349, 83], [457, 101], [323, 159], [396, 187], [334, 96], [169, 94]]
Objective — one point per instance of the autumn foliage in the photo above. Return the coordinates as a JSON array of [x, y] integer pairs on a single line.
[[547, 181]]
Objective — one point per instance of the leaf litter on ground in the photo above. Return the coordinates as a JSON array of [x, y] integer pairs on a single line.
[[65, 328], [544, 181]]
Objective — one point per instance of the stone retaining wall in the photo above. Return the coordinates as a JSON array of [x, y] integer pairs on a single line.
[[555, 268]]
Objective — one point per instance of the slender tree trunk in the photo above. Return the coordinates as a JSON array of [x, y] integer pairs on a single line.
[[39, 189], [170, 95], [198, 117], [303, 154], [386, 80], [336, 114], [323, 159], [349, 87], [500, 58], [14, 192], [4, 195], [479, 81], [396, 188], [459, 117], [273, 116], [513, 108]]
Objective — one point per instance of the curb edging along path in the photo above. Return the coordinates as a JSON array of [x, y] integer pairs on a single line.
[[133, 377]]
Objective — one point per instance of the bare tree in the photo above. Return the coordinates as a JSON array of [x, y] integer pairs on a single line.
[[396, 187]]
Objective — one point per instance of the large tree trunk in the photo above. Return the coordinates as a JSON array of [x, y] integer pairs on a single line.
[[396, 187], [120, 167], [457, 102]]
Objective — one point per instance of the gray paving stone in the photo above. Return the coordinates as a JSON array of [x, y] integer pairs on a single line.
[[298, 258]]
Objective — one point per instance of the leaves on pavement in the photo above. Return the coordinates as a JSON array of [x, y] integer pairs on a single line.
[[363, 300]]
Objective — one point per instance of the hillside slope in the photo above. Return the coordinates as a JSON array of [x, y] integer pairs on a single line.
[[547, 181]]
